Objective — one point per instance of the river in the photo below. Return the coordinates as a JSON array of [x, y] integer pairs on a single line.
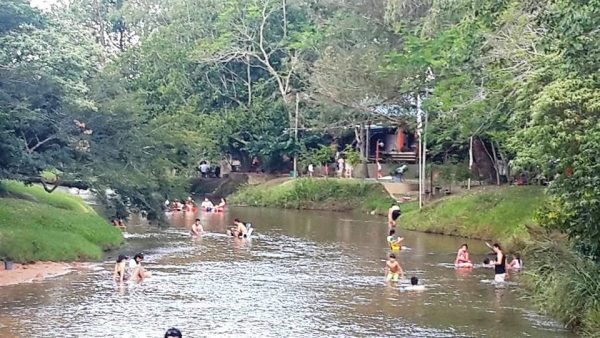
[[302, 274]]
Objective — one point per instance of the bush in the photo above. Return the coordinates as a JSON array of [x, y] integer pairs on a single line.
[[565, 284]]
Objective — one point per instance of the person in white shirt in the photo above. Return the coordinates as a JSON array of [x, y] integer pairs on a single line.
[[137, 272], [311, 170]]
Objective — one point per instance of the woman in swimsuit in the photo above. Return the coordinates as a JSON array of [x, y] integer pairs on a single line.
[[120, 274], [462, 257]]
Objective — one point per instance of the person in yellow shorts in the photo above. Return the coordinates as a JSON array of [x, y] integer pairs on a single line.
[[393, 270], [394, 242]]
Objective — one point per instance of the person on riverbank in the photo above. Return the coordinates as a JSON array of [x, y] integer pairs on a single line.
[[137, 272], [516, 263], [414, 285], [349, 168], [379, 170], [499, 262], [197, 228], [462, 257], [120, 273], [393, 214], [393, 270], [173, 333], [340, 167], [311, 170], [394, 241]]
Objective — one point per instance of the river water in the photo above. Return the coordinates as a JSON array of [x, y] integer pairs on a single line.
[[302, 274]]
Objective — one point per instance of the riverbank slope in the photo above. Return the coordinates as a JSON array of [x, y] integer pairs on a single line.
[[316, 194], [58, 227], [502, 214]]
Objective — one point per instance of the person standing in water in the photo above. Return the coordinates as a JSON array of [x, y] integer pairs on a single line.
[[462, 257], [393, 214], [393, 270], [499, 263], [197, 228]]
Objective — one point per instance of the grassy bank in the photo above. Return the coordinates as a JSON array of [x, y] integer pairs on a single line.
[[316, 194], [565, 285], [35, 225], [498, 213]]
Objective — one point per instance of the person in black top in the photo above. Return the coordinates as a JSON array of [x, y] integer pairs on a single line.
[[499, 263]]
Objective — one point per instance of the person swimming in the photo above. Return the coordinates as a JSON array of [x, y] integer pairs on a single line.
[[120, 273], [462, 257], [414, 285], [393, 214], [393, 270], [173, 333], [239, 230], [197, 228], [393, 241]]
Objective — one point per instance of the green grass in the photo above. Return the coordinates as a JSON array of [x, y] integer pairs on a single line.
[[501, 214], [36, 193], [316, 194], [54, 227], [565, 285]]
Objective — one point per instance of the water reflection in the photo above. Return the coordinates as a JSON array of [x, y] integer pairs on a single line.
[[303, 274]]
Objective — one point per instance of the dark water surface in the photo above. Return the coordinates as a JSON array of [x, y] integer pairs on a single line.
[[303, 274]]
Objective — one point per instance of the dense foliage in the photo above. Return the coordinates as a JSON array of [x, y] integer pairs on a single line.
[[132, 95]]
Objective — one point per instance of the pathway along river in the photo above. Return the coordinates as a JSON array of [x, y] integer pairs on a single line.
[[303, 274]]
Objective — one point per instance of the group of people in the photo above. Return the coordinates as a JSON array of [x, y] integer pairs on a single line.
[[187, 206], [205, 170], [238, 230], [499, 263], [118, 223], [130, 269], [190, 206], [208, 206], [393, 270]]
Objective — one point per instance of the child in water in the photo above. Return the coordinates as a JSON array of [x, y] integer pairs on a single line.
[[516, 263], [414, 285], [197, 228], [393, 270], [462, 257], [394, 242]]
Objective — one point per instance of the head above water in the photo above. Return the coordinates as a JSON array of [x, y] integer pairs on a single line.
[[121, 258], [139, 256], [173, 333], [392, 256], [486, 261], [414, 281]]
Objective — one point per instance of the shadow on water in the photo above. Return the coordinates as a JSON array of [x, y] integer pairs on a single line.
[[303, 274]]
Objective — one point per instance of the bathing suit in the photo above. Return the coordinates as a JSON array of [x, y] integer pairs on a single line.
[[500, 270], [392, 277]]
